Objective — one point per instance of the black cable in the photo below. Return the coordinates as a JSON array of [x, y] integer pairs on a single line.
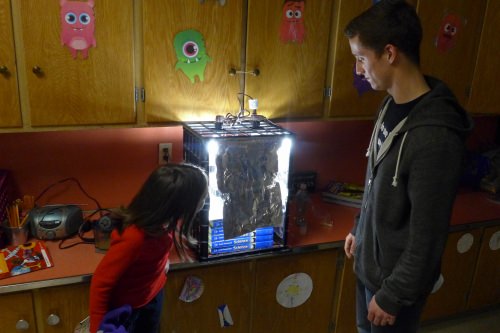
[[65, 180]]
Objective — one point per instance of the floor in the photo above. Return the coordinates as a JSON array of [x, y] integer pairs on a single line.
[[485, 322]]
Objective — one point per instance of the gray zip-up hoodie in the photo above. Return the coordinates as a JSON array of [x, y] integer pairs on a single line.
[[411, 183]]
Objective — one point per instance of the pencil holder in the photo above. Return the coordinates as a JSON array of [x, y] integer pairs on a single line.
[[16, 235]]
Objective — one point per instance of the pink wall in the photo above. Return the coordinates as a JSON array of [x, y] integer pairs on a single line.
[[111, 164]]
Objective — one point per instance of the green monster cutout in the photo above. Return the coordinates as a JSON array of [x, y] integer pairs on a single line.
[[191, 54]]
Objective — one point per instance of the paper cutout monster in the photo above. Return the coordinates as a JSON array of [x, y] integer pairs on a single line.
[[448, 32], [292, 22], [192, 57], [77, 26]]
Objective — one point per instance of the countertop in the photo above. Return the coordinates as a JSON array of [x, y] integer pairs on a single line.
[[327, 226]]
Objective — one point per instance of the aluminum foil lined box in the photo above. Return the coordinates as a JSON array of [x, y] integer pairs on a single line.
[[248, 170]]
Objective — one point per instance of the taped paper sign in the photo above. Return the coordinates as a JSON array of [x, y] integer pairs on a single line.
[[192, 57], [225, 318], [292, 22], [294, 290], [77, 26]]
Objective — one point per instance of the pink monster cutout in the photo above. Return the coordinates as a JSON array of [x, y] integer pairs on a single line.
[[77, 26], [292, 22], [448, 32]]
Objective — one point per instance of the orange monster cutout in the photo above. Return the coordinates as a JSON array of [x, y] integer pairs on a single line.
[[292, 22], [448, 32]]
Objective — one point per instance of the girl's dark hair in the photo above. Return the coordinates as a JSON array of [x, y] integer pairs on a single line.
[[171, 193], [388, 22]]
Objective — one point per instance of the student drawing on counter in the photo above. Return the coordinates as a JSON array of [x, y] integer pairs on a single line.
[[127, 286]]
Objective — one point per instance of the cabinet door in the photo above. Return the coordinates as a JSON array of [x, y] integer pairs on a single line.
[[60, 309], [449, 44], [345, 100], [10, 116], [170, 93], [67, 91], [292, 75], [450, 292], [484, 95], [228, 284], [485, 290], [315, 315], [345, 317], [17, 313]]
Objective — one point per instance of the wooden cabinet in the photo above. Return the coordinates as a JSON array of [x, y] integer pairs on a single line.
[[291, 80], [50, 310], [249, 291], [345, 101], [450, 41], [345, 316], [485, 289], [170, 93], [227, 284], [62, 90], [17, 314], [10, 116], [450, 293], [484, 94], [60, 309], [315, 315], [292, 76]]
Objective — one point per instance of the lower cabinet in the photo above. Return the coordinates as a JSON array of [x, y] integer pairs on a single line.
[[315, 315], [450, 292], [226, 284], [49, 310], [345, 316], [485, 290], [470, 279], [248, 290], [17, 314]]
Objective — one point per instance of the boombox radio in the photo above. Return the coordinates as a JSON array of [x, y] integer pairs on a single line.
[[55, 222]]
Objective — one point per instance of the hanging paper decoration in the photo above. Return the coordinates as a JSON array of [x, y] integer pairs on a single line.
[[448, 32], [294, 290], [360, 83], [225, 318], [77, 26], [292, 22], [192, 56], [192, 289]]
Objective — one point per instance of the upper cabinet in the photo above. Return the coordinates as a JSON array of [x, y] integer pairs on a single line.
[[189, 48], [449, 45], [350, 96], [484, 95], [10, 115], [288, 43], [283, 66], [78, 61]]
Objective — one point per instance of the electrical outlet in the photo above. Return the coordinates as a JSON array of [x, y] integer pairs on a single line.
[[164, 153]]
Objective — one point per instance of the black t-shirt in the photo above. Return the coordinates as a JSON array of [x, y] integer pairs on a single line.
[[393, 115]]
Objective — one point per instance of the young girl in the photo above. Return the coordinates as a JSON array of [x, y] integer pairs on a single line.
[[133, 271]]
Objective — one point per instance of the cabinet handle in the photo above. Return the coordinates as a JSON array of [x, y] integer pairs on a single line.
[[22, 325], [254, 72], [37, 71], [4, 70], [53, 320]]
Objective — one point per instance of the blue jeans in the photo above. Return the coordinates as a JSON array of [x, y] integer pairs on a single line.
[[407, 320], [146, 319]]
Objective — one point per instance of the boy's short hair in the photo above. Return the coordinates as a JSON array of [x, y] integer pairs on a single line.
[[388, 22]]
